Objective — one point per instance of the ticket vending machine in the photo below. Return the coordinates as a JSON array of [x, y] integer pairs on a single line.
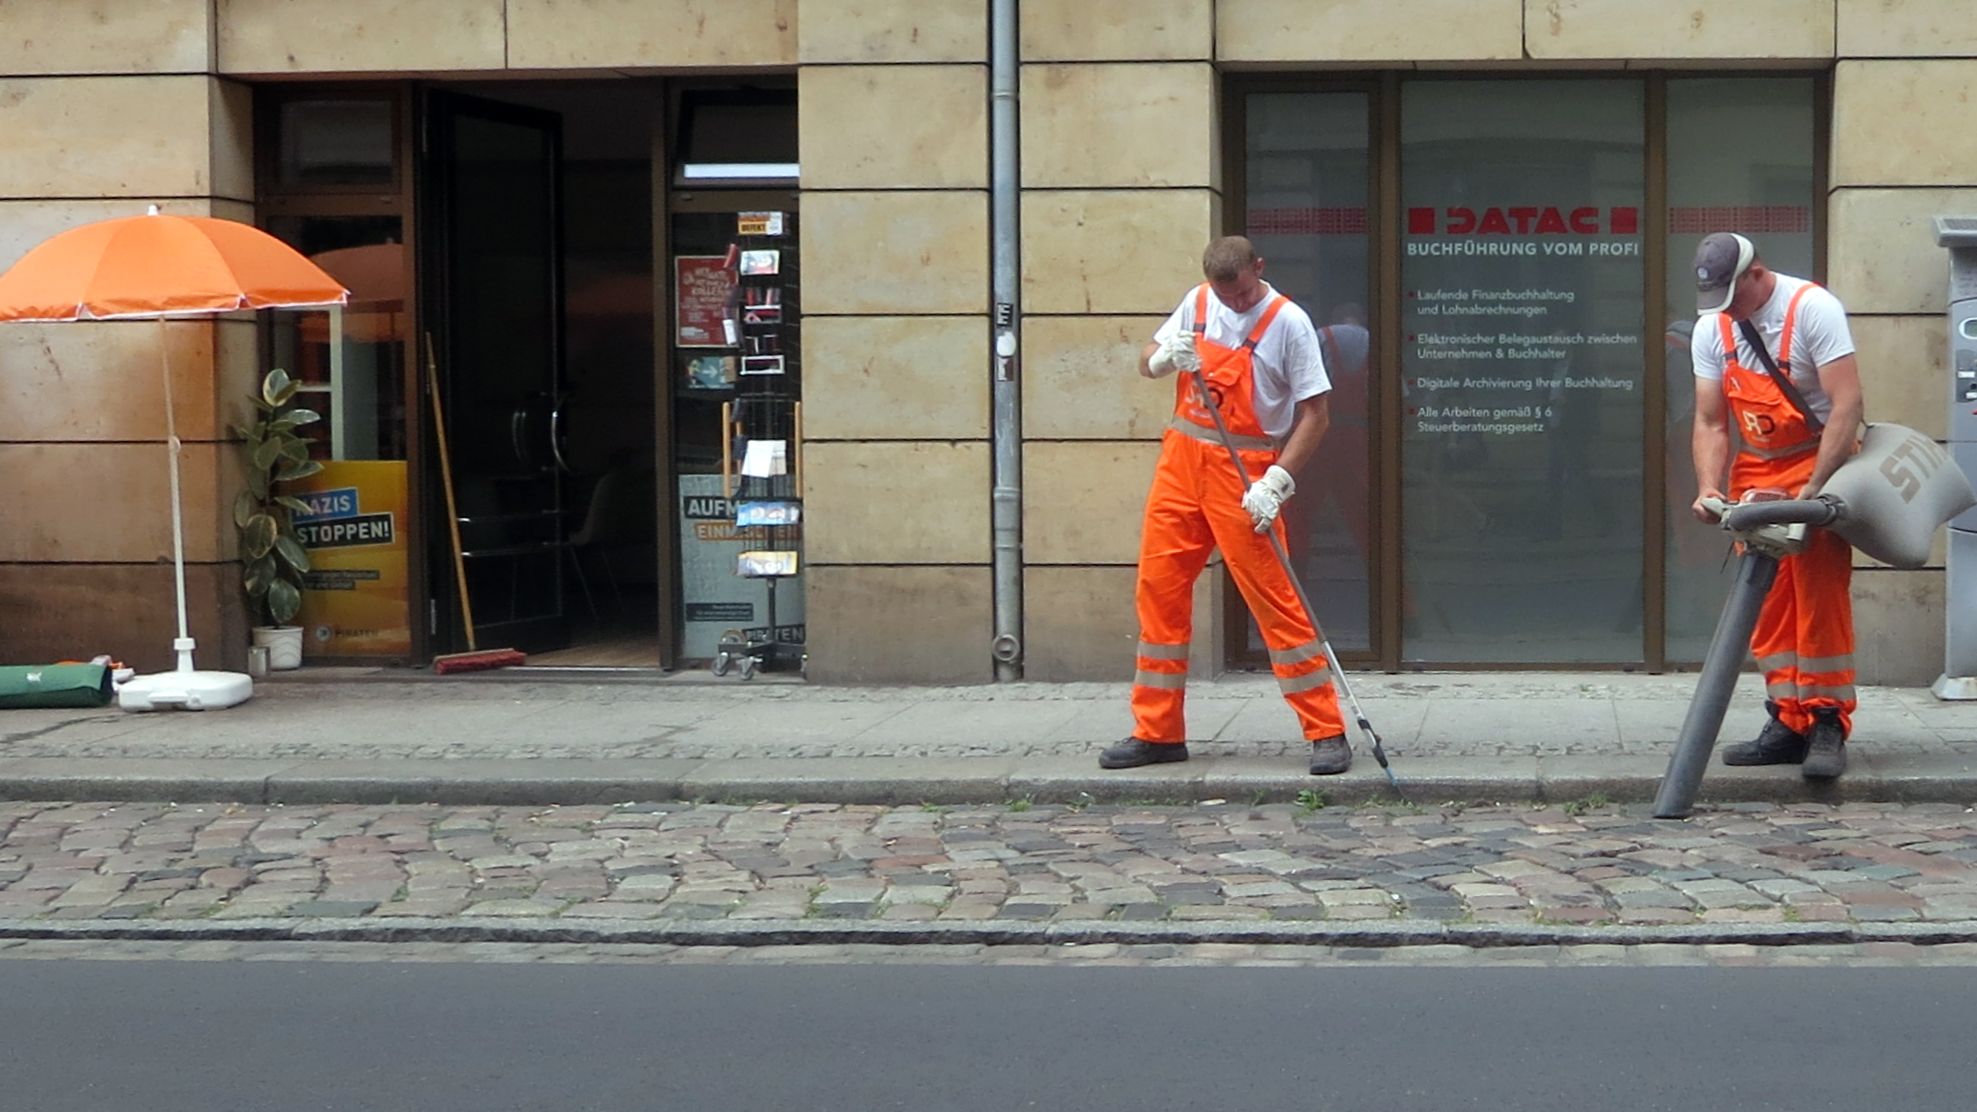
[[1959, 678]]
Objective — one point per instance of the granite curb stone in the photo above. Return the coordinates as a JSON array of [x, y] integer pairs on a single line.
[[1396, 933], [943, 780]]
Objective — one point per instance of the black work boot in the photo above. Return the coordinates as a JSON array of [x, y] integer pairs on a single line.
[[1776, 744], [1826, 746], [1132, 753], [1330, 756]]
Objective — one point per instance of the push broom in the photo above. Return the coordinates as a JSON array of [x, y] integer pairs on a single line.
[[1304, 600], [475, 659]]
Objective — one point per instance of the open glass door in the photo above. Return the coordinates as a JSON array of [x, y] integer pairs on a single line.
[[493, 273]]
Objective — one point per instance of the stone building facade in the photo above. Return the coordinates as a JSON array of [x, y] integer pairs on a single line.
[[1127, 143]]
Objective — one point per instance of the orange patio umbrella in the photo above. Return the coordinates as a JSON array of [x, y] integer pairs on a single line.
[[156, 266], [163, 267]]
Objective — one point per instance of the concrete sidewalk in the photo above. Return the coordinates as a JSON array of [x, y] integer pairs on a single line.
[[528, 738]]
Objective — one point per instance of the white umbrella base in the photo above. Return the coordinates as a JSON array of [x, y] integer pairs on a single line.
[[185, 691]]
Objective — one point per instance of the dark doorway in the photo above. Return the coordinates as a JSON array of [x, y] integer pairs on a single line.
[[576, 443], [493, 274]]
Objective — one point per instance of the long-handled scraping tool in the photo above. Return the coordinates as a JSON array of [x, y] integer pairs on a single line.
[[1304, 600]]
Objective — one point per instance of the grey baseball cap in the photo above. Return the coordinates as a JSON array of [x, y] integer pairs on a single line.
[[1721, 258]]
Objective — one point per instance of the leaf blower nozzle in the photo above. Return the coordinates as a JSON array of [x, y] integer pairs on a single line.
[[1822, 510]]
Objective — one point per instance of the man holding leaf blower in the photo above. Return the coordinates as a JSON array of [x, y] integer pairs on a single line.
[[1259, 357], [1774, 358]]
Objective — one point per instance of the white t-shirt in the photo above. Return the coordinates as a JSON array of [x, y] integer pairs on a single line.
[[1820, 336], [1289, 368]]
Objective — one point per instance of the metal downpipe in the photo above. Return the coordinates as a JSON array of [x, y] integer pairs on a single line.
[[1006, 427]]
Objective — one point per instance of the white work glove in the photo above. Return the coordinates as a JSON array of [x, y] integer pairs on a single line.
[[1266, 496], [1176, 354]]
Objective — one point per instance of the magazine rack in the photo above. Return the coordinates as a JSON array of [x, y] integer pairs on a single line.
[[761, 440]]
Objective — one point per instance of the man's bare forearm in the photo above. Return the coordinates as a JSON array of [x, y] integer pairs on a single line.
[[1709, 449], [1836, 443], [1314, 416]]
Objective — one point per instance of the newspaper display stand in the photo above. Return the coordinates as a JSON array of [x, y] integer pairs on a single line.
[[762, 437]]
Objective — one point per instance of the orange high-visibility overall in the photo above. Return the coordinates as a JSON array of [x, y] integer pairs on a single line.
[[1804, 636], [1195, 506]]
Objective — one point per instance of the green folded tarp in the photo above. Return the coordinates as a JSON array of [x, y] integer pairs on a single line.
[[54, 685]]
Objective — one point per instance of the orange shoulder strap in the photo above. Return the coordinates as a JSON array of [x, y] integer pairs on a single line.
[[1277, 304], [1791, 321]]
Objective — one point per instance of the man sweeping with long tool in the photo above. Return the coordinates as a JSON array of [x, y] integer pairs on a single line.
[[1254, 379]]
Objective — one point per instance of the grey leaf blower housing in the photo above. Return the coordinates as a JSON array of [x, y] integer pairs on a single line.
[[1893, 495]]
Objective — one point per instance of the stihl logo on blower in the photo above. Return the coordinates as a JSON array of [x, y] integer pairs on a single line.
[[1912, 463]]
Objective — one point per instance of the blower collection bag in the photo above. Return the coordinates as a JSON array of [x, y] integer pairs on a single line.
[[1897, 491], [40, 686]]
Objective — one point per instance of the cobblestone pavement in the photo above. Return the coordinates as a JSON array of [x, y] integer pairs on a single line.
[[1429, 714], [1889, 954], [1750, 864]]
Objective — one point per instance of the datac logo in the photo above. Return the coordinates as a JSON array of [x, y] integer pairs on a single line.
[[1523, 220]]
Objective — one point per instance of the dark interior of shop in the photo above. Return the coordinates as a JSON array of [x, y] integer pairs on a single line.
[[604, 433]]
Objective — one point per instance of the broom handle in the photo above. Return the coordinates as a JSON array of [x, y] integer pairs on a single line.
[[452, 510], [727, 450]]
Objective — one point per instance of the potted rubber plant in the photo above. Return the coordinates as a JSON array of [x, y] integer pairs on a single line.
[[270, 551]]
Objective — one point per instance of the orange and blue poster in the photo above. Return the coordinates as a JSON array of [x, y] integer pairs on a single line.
[[356, 599]]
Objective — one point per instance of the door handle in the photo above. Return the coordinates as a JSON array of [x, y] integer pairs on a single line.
[[518, 441], [556, 439]]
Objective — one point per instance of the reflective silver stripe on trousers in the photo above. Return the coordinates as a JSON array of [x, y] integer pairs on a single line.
[[1781, 690], [1844, 693], [1152, 651], [1207, 436], [1167, 681], [1776, 662], [1291, 685], [1826, 664], [1310, 650]]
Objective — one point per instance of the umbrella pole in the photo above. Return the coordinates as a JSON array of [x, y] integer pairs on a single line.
[[182, 646]]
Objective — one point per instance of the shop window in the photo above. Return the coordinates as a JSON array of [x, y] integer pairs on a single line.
[[737, 433], [1306, 185], [335, 143], [1522, 371], [1717, 181], [333, 184], [1513, 323], [736, 138], [350, 361]]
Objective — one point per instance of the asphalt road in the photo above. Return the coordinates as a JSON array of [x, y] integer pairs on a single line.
[[172, 1036]]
